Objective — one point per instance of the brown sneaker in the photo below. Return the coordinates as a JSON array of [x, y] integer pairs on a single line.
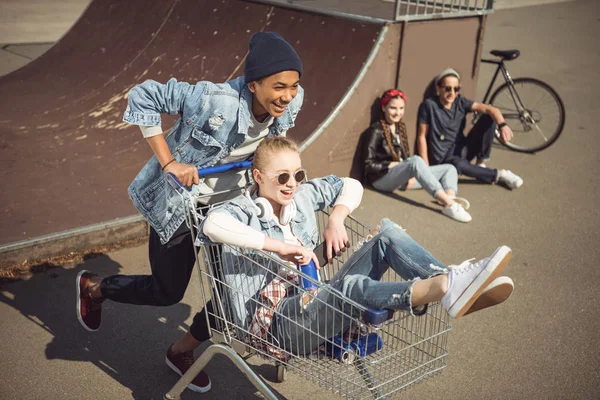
[[181, 362], [89, 310]]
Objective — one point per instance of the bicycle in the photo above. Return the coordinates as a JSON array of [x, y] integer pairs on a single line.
[[528, 106]]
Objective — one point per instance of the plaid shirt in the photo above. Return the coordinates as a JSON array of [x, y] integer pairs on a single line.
[[270, 297]]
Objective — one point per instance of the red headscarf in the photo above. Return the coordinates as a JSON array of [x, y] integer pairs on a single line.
[[390, 94]]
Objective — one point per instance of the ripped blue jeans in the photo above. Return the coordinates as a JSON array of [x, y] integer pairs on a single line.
[[303, 323]]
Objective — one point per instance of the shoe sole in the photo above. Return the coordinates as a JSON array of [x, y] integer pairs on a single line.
[[190, 386], [456, 219], [511, 187], [493, 296], [460, 200], [495, 266], [78, 288]]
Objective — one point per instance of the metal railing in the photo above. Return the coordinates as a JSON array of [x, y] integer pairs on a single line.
[[410, 10], [379, 11]]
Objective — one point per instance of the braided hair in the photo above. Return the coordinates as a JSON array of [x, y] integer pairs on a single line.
[[400, 128]]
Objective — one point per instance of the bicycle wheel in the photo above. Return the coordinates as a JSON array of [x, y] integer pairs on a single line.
[[539, 119]]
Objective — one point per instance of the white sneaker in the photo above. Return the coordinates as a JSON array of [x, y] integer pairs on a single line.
[[462, 201], [497, 292], [510, 179], [468, 280], [457, 213]]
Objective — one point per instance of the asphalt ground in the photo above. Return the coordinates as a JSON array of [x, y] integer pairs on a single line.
[[541, 344]]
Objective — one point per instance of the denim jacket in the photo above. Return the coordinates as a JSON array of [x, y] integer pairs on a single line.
[[245, 278], [214, 120]]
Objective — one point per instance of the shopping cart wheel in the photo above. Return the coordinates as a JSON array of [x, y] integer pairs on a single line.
[[281, 372]]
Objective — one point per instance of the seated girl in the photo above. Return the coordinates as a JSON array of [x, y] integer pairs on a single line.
[[388, 165], [278, 216]]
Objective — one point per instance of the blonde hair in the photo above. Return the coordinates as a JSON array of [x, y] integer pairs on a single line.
[[269, 146]]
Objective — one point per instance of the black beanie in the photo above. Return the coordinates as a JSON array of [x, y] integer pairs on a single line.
[[270, 54]]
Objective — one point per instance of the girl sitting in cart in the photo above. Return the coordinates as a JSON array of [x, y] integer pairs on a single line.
[[277, 215]]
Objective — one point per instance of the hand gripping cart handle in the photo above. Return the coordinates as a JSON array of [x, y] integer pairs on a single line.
[[188, 200], [216, 169]]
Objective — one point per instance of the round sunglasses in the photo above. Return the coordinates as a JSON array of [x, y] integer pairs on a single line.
[[448, 89], [284, 177]]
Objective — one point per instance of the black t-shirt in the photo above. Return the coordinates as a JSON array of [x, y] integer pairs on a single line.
[[444, 125]]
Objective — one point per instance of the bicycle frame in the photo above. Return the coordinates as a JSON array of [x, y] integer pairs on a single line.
[[511, 87]]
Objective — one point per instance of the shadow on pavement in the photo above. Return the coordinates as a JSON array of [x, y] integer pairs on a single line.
[[396, 196], [130, 345], [471, 181]]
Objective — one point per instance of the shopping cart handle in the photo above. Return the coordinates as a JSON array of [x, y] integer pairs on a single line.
[[175, 184], [377, 317], [224, 168]]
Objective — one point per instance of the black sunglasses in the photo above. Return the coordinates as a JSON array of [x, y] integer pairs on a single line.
[[284, 177], [448, 89]]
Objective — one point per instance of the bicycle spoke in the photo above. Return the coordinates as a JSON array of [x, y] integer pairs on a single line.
[[540, 131], [537, 102], [539, 108]]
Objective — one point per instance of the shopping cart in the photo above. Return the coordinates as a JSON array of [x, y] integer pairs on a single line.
[[359, 354]]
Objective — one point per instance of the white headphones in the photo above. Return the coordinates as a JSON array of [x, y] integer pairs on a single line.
[[265, 210]]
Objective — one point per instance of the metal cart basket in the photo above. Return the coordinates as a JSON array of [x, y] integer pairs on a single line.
[[358, 353]]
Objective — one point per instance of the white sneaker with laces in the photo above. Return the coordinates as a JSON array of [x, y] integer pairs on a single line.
[[457, 213], [468, 280], [510, 179]]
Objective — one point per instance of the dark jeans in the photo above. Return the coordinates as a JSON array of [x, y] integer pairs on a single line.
[[478, 144], [172, 264]]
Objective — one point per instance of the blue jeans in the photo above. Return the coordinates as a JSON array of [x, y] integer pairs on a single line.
[[432, 179], [301, 328], [478, 144]]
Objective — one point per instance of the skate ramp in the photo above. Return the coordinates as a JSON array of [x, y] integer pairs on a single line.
[[67, 156]]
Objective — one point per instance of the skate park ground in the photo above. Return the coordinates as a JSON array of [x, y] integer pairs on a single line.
[[541, 344]]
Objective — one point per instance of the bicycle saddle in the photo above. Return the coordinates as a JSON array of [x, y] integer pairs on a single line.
[[506, 54]]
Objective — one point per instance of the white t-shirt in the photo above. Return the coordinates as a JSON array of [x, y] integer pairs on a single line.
[[257, 131], [290, 238]]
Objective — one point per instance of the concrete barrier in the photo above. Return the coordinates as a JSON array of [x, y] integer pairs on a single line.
[[74, 240]]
